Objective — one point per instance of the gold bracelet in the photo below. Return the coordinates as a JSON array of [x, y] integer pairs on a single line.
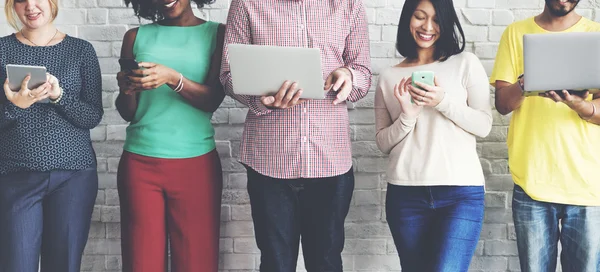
[[593, 112], [59, 97]]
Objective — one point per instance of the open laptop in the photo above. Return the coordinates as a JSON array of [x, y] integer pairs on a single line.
[[561, 61], [261, 70]]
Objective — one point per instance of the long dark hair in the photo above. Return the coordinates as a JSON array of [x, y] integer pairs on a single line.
[[452, 37], [147, 9]]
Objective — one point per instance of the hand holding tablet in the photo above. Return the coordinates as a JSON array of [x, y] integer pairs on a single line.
[[26, 85]]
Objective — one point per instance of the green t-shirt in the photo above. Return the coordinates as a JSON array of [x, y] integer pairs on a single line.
[[165, 124]]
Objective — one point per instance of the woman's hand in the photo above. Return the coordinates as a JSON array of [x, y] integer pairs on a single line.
[[55, 89], [24, 98], [428, 95], [404, 98], [154, 76], [124, 83]]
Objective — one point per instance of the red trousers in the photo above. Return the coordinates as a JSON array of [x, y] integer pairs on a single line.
[[176, 200]]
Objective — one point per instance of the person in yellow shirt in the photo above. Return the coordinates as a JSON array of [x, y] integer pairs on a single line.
[[553, 153]]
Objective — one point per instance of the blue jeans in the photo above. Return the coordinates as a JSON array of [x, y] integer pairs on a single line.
[[283, 210], [435, 228], [537, 227], [45, 215]]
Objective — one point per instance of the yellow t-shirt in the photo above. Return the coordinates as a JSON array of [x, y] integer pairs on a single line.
[[553, 154]]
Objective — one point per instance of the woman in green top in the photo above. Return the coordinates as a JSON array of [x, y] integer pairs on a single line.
[[169, 176]]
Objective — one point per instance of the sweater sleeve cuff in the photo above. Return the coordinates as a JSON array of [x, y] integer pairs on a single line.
[[258, 107], [444, 104]]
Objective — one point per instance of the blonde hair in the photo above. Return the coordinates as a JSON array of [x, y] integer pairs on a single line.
[[11, 15]]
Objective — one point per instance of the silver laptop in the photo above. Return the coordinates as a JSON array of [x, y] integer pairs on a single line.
[[561, 61], [261, 69]]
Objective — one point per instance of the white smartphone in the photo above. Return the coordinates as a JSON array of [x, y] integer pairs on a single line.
[[17, 73]]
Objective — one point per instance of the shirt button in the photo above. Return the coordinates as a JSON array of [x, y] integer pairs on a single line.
[[304, 139], [301, 26]]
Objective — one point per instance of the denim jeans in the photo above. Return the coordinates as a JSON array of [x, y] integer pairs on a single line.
[[45, 215], [435, 228], [284, 210], [541, 225]]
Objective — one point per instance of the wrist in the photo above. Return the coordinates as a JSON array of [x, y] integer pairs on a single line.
[[57, 99], [521, 83], [347, 71], [55, 93], [586, 111], [173, 78]]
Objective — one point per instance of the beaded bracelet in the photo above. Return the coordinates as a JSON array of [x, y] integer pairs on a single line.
[[59, 97]]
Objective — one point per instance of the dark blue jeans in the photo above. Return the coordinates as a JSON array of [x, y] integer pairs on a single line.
[[285, 210], [435, 228], [45, 215], [541, 225]]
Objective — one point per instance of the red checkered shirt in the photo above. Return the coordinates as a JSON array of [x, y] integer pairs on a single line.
[[311, 139]]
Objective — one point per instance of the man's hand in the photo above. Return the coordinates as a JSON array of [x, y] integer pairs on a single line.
[[339, 81], [575, 101], [287, 97]]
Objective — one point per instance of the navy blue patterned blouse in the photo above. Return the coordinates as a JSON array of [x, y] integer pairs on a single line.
[[49, 136]]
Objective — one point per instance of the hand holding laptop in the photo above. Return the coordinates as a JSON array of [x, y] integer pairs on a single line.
[[340, 81], [287, 97], [574, 99]]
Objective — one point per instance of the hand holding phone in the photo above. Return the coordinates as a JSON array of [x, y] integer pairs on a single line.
[[129, 64], [425, 90], [402, 94]]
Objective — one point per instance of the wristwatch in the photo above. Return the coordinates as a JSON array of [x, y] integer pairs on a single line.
[[521, 84]]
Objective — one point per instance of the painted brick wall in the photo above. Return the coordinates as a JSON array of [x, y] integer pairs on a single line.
[[369, 247]]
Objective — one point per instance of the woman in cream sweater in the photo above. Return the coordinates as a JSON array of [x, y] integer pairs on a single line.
[[435, 195]]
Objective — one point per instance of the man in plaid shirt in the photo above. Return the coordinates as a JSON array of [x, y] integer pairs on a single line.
[[298, 152]]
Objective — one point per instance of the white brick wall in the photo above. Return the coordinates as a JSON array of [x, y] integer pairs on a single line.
[[369, 246]]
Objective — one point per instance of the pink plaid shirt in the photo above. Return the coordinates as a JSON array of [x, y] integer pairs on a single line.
[[312, 139]]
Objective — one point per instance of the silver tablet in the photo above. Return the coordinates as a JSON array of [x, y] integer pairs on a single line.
[[17, 73]]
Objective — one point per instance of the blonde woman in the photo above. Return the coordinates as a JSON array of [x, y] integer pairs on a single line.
[[48, 178]]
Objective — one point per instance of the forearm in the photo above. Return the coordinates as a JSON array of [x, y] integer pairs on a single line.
[[388, 136], [9, 114], [508, 98], [127, 106], [361, 82], [82, 114], [473, 120], [204, 97]]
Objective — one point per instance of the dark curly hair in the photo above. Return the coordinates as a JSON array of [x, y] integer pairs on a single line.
[[147, 10]]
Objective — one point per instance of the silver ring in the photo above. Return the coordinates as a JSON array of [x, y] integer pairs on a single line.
[[31, 95]]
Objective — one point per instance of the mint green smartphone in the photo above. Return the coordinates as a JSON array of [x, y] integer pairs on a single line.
[[425, 77]]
